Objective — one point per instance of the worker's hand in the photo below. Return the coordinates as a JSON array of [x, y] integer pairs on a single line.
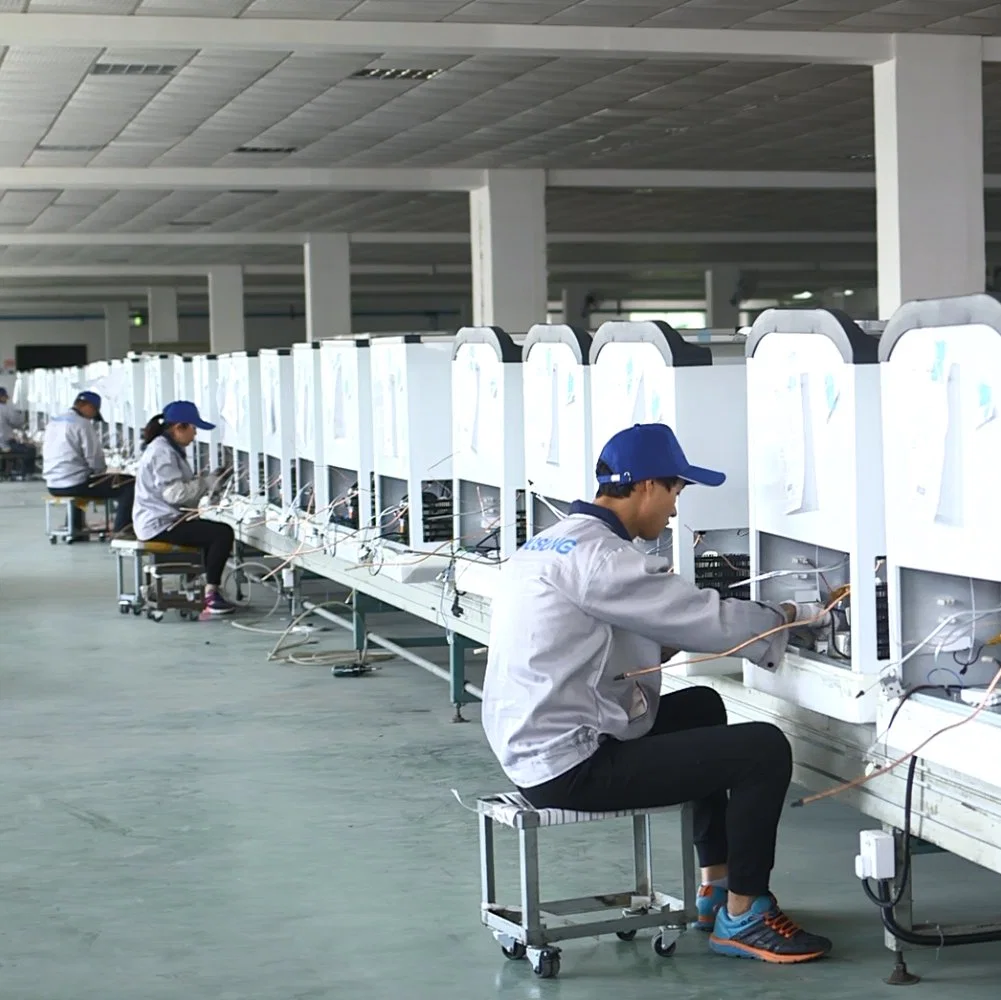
[[813, 615]]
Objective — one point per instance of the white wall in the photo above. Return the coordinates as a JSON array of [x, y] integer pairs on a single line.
[[82, 326]]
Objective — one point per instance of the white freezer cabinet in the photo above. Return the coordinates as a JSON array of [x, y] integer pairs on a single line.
[[241, 426], [817, 516], [559, 456], [205, 395], [343, 471], [941, 382], [412, 453], [488, 449]]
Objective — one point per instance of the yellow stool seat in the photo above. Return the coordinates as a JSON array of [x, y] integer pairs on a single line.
[[79, 502], [153, 548]]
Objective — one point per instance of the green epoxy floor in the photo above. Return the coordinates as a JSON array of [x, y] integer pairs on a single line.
[[180, 820]]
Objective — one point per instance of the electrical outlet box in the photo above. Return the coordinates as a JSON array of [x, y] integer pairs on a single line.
[[877, 857]]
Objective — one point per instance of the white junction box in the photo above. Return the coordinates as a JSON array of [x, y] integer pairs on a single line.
[[488, 455], [239, 398], [345, 479], [816, 503], [278, 433], [941, 378], [559, 457], [412, 455], [205, 395]]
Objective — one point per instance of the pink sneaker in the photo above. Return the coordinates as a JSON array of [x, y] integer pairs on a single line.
[[216, 604]]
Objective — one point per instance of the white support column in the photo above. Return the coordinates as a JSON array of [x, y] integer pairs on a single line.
[[226, 328], [929, 169], [508, 231], [117, 330], [163, 325], [722, 283], [327, 263]]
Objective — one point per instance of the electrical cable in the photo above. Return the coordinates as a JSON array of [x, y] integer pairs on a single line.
[[866, 778]]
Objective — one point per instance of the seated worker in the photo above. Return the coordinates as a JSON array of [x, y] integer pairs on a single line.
[[166, 488], [73, 462], [581, 604], [11, 422]]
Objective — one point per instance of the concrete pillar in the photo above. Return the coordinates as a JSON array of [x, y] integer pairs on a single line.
[[721, 288], [117, 330], [327, 262], [508, 234], [163, 324], [576, 306], [226, 328], [929, 169]]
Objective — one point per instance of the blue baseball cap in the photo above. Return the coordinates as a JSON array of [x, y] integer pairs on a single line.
[[89, 397], [651, 451], [183, 412]]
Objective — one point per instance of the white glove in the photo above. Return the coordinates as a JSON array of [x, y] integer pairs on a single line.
[[813, 615]]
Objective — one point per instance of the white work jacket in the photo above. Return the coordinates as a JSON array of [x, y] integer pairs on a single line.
[[577, 605], [72, 452]]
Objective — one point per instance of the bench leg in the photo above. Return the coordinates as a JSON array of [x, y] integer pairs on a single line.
[[531, 917], [488, 882], [688, 873], [137, 580], [643, 856]]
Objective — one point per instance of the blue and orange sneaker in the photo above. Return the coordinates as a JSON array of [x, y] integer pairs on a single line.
[[766, 934], [708, 903]]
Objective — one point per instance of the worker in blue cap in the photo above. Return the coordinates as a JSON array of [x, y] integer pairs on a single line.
[[168, 493], [73, 463], [578, 607], [11, 425]]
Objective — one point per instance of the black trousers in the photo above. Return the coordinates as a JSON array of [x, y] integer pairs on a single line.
[[214, 539], [111, 488], [736, 776]]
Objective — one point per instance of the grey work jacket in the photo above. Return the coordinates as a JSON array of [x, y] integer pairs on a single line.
[[577, 605], [164, 485], [72, 452]]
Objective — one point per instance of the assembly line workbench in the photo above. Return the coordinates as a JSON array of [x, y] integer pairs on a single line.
[[950, 811]]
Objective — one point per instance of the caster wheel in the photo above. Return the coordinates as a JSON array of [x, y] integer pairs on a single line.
[[102, 537], [664, 950], [123, 609], [626, 935], [515, 953], [69, 540], [547, 966], [53, 540], [184, 615], [136, 610]]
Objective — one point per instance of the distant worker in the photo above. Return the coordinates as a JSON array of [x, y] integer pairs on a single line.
[[73, 463], [167, 495], [12, 423], [580, 605]]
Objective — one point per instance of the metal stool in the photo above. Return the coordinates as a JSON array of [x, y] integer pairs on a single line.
[[153, 565], [65, 532], [521, 931]]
